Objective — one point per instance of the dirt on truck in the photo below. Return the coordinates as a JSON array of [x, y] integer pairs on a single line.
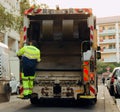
[[68, 44]]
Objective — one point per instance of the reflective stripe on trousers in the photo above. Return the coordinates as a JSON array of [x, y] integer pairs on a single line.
[[27, 83]]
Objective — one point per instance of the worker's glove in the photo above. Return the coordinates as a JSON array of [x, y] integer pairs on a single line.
[[19, 57]]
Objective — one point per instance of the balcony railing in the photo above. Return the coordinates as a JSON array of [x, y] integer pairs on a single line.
[[108, 41], [113, 50], [107, 32]]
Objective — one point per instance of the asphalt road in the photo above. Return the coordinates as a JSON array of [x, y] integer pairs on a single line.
[[105, 103]]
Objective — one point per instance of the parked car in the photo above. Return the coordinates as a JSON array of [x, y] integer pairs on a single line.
[[109, 84], [15, 85], [113, 82]]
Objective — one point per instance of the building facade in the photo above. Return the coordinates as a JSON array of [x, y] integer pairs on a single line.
[[109, 38], [11, 37]]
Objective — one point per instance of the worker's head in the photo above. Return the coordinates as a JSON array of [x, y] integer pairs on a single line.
[[32, 42]]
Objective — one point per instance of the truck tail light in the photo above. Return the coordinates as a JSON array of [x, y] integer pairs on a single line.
[[86, 71], [85, 74], [92, 78]]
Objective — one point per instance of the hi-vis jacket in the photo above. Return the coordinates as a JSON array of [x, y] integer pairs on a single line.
[[31, 52]]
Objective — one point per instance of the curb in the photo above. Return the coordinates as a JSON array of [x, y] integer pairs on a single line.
[[118, 103], [110, 103]]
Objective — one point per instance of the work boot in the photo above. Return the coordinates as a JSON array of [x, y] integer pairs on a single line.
[[29, 95], [26, 97], [20, 96]]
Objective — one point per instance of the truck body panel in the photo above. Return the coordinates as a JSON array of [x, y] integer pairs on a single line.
[[68, 59]]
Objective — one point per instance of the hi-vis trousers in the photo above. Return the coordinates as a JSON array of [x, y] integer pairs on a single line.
[[27, 83]]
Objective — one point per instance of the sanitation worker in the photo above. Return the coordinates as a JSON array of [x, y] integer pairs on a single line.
[[30, 55]]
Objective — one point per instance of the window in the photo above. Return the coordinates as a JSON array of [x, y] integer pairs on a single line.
[[117, 73], [111, 46]]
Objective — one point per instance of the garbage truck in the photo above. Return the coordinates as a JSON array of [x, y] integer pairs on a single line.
[[67, 39], [5, 74]]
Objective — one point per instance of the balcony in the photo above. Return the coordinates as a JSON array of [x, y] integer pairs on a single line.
[[113, 50], [107, 32], [107, 41]]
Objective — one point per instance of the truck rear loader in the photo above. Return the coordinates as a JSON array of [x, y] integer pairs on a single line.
[[67, 39]]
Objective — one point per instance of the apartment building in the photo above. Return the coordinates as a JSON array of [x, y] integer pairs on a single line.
[[109, 38], [11, 37]]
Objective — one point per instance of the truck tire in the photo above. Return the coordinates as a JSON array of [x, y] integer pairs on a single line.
[[5, 97], [34, 99], [7, 94], [93, 101]]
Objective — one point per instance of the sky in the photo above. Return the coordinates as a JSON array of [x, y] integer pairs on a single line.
[[101, 8]]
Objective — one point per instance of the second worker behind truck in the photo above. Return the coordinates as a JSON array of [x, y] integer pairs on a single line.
[[30, 56]]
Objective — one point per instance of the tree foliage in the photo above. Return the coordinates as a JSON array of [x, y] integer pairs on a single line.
[[10, 21], [102, 66], [24, 4], [6, 19], [43, 6]]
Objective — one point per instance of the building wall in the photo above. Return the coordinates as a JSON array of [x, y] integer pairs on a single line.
[[12, 37], [109, 38]]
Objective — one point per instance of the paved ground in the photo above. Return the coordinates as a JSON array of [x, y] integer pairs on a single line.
[[111, 104], [118, 103]]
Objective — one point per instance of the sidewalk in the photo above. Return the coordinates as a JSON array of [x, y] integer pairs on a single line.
[[111, 105]]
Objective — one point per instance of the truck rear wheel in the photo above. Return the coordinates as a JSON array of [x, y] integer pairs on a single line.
[[5, 97], [34, 99], [93, 101]]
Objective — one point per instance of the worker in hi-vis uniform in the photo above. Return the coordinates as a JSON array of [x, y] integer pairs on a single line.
[[30, 56]]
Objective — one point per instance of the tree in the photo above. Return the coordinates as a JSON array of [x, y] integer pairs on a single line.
[[24, 4], [6, 19], [102, 66], [10, 21], [43, 6]]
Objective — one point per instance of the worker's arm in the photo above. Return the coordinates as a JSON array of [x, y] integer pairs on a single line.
[[38, 57], [21, 51]]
